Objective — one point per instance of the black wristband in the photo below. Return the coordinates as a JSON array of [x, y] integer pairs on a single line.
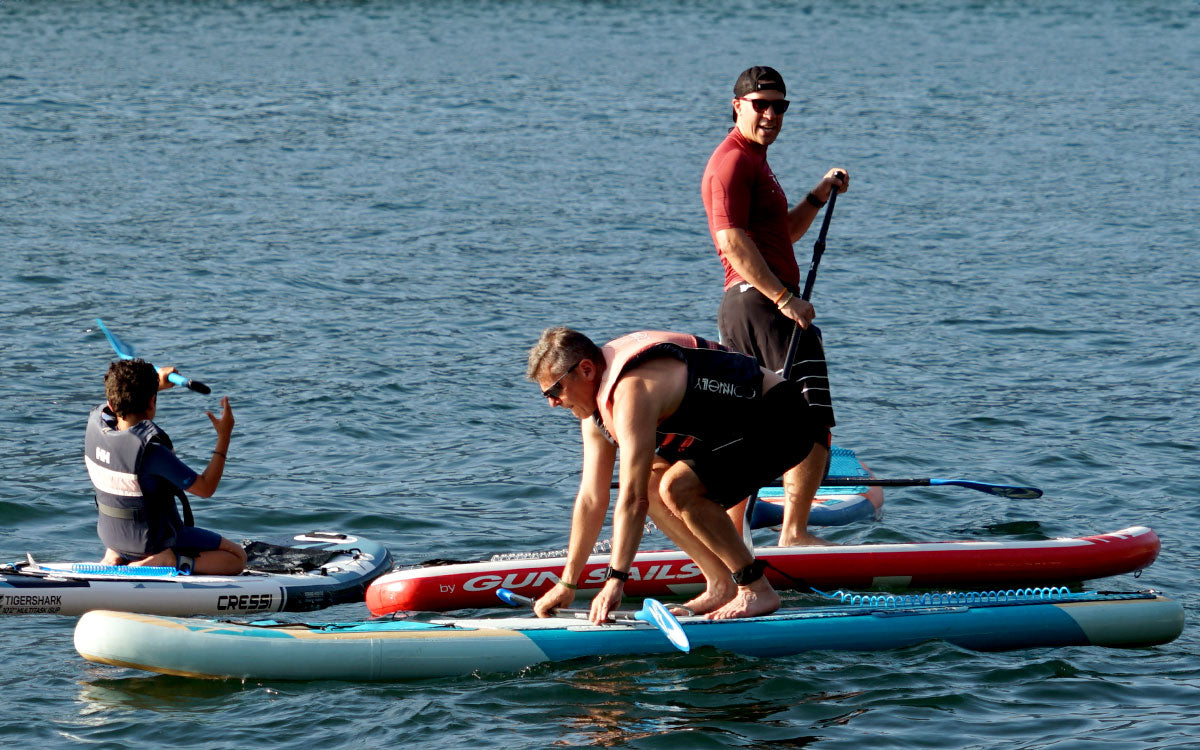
[[620, 575], [813, 200]]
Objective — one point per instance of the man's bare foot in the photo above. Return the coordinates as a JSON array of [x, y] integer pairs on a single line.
[[717, 593], [759, 598], [713, 597], [804, 539]]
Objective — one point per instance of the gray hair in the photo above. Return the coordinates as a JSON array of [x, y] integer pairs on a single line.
[[560, 348]]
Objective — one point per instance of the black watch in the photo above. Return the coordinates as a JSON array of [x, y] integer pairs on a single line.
[[620, 575]]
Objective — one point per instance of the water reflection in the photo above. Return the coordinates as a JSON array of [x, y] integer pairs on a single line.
[[159, 693], [702, 699]]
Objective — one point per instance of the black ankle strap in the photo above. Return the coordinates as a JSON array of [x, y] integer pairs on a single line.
[[750, 573]]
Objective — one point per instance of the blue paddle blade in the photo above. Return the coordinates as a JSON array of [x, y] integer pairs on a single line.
[[123, 350], [515, 600], [126, 351], [656, 614]]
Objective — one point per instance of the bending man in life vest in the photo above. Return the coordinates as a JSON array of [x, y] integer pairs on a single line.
[[137, 478], [699, 428]]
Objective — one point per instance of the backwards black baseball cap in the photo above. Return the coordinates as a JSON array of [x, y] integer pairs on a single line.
[[759, 78]]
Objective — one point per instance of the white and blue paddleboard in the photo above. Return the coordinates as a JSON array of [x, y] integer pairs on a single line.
[[298, 573], [404, 649], [832, 506]]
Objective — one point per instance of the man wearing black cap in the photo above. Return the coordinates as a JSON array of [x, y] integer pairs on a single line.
[[753, 230]]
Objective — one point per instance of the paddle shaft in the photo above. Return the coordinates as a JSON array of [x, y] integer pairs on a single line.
[[1003, 490], [994, 489], [806, 294], [194, 385], [126, 351], [652, 613], [516, 600]]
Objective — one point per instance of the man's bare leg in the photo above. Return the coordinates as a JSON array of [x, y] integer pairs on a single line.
[[719, 586], [737, 514], [684, 493], [800, 485]]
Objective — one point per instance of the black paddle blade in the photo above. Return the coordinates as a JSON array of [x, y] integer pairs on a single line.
[[1016, 493], [199, 387]]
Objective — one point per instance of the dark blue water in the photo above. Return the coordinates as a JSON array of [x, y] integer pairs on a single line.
[[354, 218]]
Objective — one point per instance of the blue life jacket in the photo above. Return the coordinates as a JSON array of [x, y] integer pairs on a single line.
[[130, 521]]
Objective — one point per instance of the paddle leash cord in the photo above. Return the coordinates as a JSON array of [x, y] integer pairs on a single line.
[[135, 571], [952, 598], [799, 583]]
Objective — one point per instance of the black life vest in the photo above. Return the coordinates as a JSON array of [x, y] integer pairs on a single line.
[[721, 384]]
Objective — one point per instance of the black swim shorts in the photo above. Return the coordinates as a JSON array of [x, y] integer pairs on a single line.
[[779, 431], [750, 323]]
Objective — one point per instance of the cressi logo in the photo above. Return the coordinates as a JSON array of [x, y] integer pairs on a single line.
[[244, 602]]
